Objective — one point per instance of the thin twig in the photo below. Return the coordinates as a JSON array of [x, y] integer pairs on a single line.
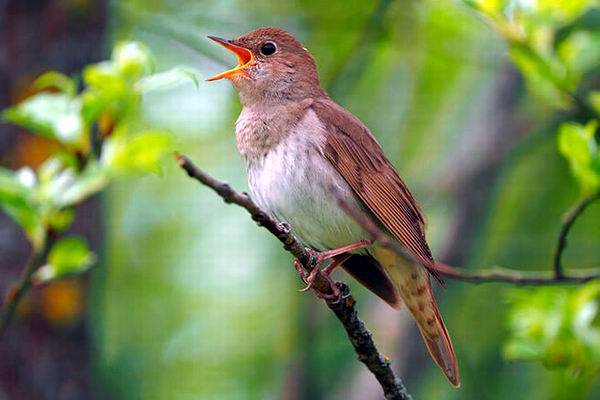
[[565, 228], [359, 335], [16, 293], [504, 275], [447, 271]]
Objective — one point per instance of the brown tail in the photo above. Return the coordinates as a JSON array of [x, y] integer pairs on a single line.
[[414, 287], [441, 349]]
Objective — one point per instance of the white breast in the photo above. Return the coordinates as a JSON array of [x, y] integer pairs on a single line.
[[291, 182]]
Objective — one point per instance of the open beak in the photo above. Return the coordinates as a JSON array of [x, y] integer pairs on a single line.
[[244, 57]]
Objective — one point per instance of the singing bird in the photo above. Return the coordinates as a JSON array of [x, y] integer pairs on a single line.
[[303, 152]]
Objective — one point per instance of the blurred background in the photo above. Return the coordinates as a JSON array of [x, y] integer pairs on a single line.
[[189, 300]]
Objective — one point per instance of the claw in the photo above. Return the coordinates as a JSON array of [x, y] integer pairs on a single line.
[[317, 258], [336, 294], [299, 268], [310, 279]]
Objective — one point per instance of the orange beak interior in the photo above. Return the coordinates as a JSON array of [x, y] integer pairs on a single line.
[[244, 58]]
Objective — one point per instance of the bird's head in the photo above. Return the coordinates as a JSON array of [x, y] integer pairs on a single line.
[[272, 65]]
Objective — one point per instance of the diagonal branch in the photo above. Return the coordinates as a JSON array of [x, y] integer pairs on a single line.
[[344, 310]]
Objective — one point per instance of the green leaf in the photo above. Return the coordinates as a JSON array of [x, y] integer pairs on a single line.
[[15, 185], [30, 220], [54, 79], [102, 75], [139, 154], [578, 145], [59, 220], [552, 68], [69, 256], [16, 192], [167, 79], [544, 75], [594, 98], [107, 92], [49, 169], [555, 326], [79, 187], [54, 115], [132, 59], [580, 51]]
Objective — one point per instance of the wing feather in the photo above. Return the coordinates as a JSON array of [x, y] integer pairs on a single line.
[[357, 156]]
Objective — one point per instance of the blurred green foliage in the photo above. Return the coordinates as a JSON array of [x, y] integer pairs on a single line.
[[557, 326], [216, 304], [100, 136], [554, 43], [560, 328], [69, 256], [556, 46], [578, 144], [195, 302]]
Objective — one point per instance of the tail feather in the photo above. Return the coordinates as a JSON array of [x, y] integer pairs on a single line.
[[413, 284], [442, 351]]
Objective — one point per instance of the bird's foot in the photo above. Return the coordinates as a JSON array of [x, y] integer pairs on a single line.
[[332, 292], [318, 258]]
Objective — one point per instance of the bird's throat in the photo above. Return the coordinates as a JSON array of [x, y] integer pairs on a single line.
[[264, 125]]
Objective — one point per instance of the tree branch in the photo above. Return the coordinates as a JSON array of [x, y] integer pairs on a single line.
[[344, 310], [565, 228], [15, 294], [497, 275]]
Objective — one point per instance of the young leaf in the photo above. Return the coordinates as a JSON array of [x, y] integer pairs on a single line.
[[92, 180], [12, 185], [16, 191], [69, 256], [139, 154], [578, 145], [51, 167], [167, 79], [61, 219], [132, 60], [108, 92], [54, 115], [54, 79]]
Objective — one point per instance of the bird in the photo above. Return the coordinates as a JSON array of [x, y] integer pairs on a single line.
[[304, 153]]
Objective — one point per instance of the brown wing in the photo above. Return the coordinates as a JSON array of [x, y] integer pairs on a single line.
[[357, 156]]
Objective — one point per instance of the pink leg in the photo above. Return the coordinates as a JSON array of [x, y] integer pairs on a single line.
[[335, 263], [310, 279], [325, 255], [320, 257]]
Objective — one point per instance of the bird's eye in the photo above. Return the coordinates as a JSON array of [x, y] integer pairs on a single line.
[[268, 48]]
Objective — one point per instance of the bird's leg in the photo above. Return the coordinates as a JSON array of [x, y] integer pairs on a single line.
[[309, 279], [339, 255], [325, 255]]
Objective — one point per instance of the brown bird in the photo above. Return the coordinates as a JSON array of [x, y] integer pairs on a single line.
[[304, 151]]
